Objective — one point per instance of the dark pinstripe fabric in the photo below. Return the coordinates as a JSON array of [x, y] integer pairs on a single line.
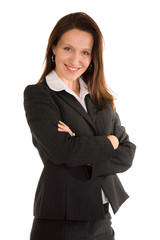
[[66, 179], [44, 229]]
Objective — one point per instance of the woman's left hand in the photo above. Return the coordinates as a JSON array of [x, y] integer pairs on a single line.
[[62, 127]]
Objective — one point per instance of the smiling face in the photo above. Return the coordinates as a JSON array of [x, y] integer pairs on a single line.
[[73, 54]]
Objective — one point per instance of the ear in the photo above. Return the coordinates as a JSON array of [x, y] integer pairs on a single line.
[[54, 50]]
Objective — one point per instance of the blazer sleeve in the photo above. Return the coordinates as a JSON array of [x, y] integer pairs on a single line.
[[42, 115], [124, 154]]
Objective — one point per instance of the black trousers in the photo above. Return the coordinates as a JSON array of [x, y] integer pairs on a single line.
[[44, 229]]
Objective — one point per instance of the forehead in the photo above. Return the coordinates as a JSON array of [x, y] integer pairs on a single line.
[[77, 38]]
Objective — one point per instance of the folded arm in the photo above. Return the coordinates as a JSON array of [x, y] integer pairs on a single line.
[[59, 147]]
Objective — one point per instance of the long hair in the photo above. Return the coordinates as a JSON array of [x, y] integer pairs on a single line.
[[94, 78]]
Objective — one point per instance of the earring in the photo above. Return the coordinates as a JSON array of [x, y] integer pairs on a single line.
[[90, 66], [53, 58]]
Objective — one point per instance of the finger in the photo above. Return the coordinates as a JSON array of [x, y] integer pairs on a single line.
[[62, 130], [62, 123], [62, 127]]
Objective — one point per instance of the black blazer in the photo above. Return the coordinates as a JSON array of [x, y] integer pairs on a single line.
[[68, 188]]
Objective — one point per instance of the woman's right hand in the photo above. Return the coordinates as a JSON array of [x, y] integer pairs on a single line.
[[114, 140]]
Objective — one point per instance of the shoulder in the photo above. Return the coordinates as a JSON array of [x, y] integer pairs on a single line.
[[109, 108], [35, 90], [39, 94]]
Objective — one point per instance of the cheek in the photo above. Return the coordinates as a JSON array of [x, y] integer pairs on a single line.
[[61, 59], [86, 62]]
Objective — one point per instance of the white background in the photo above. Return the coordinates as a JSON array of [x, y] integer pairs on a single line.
[[131, 30]]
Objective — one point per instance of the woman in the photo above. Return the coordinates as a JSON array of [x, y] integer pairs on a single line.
[[79, 137]]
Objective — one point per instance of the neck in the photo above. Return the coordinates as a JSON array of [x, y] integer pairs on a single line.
[[73, 85]]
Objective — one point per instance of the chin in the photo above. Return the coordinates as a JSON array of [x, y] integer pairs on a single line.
[[73, 75]]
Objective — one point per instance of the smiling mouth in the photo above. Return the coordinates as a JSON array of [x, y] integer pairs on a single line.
[[72, 69]]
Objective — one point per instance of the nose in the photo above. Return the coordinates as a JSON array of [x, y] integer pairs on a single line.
[[75, 59]]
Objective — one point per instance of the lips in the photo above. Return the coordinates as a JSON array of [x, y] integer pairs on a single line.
[[72, 69]]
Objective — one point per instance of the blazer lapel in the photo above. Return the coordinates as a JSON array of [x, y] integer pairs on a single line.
[[73, 102]]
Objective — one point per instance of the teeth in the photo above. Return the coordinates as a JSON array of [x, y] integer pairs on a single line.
[[72, 68]]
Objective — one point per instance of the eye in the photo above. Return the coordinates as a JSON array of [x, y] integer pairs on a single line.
[[86, 53], [67, 49]]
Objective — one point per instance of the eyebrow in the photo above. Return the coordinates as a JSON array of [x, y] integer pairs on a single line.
[[73, 47]]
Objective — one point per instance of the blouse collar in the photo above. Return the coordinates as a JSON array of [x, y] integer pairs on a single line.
[[56, 84]]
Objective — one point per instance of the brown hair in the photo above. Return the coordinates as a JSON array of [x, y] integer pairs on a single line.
[[94, 78]]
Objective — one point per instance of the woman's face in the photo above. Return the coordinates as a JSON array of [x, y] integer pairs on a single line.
[[73, 54]]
